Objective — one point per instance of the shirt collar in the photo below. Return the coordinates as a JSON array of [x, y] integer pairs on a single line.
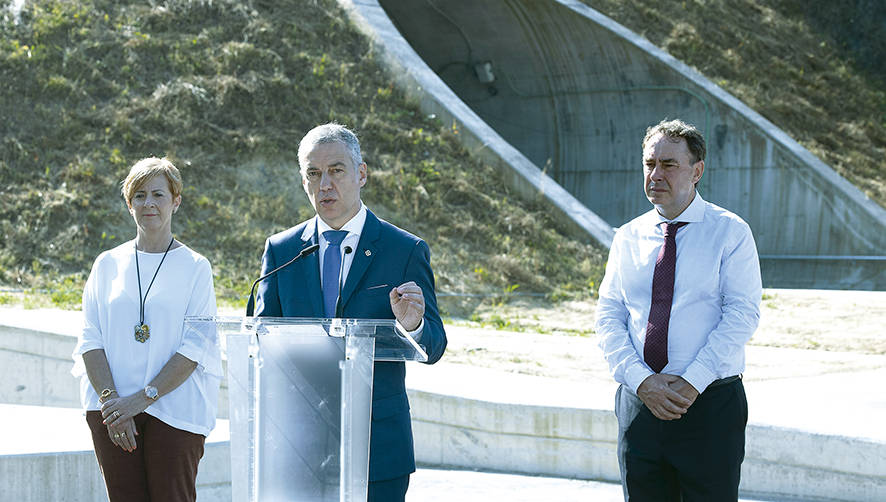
[[692, 214], [353, 226]]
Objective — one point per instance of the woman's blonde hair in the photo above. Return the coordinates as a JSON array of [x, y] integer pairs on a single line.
[[146, 169]]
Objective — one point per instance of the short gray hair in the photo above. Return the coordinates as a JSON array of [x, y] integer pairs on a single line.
[[329, 133]]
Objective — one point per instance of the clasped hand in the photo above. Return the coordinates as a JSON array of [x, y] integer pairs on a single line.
[[408, 305], [668, 397], [117, 415]]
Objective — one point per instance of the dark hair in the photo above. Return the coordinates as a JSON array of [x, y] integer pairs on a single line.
[[676, 129]]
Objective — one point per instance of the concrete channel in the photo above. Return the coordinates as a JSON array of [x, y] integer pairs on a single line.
[[558, 94], [463, 418]]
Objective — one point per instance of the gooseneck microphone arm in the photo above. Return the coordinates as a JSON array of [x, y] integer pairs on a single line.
[[341, 273], [250, 305]]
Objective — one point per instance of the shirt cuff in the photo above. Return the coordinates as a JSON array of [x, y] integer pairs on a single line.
[[698, 376], [635, 375], [416, 333]]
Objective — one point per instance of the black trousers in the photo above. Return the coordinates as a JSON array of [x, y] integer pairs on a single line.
[[389, 490], [696, 458]]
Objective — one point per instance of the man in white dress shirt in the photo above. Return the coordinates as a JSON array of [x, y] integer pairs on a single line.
[[679, 301]]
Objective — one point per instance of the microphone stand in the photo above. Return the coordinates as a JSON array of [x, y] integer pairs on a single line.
[[250, 305], [341, 272]]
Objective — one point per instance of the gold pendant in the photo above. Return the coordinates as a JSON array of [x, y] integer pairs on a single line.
[[142, 333]]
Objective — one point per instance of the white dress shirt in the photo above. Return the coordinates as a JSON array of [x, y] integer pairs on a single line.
[[354, 227], [111, 310], [716, 304]]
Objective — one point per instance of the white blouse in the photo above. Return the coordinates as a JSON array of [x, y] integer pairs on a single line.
[[111, 310]]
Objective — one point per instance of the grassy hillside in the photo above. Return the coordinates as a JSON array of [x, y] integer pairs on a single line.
[[815, 68], [225, 89]]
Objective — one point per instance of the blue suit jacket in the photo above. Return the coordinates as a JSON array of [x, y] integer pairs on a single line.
[[384, 255]]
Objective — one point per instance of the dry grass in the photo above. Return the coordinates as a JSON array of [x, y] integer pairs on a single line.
[[816, 69], [225, 89], [833, 330], [789, 318]]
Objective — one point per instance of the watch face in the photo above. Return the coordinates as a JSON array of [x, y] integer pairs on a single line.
[[151, 392]]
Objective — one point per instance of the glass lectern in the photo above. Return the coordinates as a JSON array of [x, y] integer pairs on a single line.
[[300, 394]]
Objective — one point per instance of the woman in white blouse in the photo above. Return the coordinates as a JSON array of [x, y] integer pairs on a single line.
[[150, 388]]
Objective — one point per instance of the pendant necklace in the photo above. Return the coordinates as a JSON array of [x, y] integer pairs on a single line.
[[142, 331]]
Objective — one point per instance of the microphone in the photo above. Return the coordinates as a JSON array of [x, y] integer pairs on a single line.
[[250, 305], [341, 274]]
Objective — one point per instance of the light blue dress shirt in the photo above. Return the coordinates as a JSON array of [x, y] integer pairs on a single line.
[[717, 293]]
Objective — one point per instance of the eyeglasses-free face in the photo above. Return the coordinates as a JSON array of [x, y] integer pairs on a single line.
[[152, 205]]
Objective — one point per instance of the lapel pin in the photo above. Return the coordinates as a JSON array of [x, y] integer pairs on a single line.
[[368, 253]]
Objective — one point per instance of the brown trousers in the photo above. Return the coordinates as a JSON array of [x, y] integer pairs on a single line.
[[162, 468]]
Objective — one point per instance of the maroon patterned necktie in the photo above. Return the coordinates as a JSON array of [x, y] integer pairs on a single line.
[[655, 349]]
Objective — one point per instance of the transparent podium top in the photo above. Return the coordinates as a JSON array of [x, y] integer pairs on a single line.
[[391, 342]]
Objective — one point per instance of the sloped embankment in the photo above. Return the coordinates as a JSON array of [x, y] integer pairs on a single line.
[[225, 89]]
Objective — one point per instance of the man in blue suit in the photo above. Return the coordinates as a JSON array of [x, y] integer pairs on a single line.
[[385, 274]]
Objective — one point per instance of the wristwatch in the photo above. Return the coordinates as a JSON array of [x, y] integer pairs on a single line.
[[151, 392]]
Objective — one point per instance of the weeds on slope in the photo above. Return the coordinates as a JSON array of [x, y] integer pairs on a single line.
[[226, 89]]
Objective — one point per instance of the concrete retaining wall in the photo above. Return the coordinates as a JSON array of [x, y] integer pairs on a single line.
[[61, 477], [450, 431], [572, 93], [788, 462], [418, 82], [74, 476], [469, 434], [35, 369], [580, 443]]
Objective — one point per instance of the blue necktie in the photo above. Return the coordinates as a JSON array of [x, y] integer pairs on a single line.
[[331, 269]]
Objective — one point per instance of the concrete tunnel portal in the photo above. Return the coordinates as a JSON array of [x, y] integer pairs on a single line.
[[574, 92]]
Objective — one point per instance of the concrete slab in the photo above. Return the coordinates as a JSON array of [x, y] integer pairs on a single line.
[[65, 438], [785, 387], [814, 415], [814, 429], [440, 485], [56, 430], [60, 322], [46, 455], [840, 404]]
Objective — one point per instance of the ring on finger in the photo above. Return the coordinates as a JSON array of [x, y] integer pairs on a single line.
[[116, 414], [116, 436]]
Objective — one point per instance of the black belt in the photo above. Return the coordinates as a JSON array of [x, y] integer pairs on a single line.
[[724, 381]]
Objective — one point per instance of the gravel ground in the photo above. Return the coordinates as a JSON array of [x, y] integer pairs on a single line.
[[836, 331]]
